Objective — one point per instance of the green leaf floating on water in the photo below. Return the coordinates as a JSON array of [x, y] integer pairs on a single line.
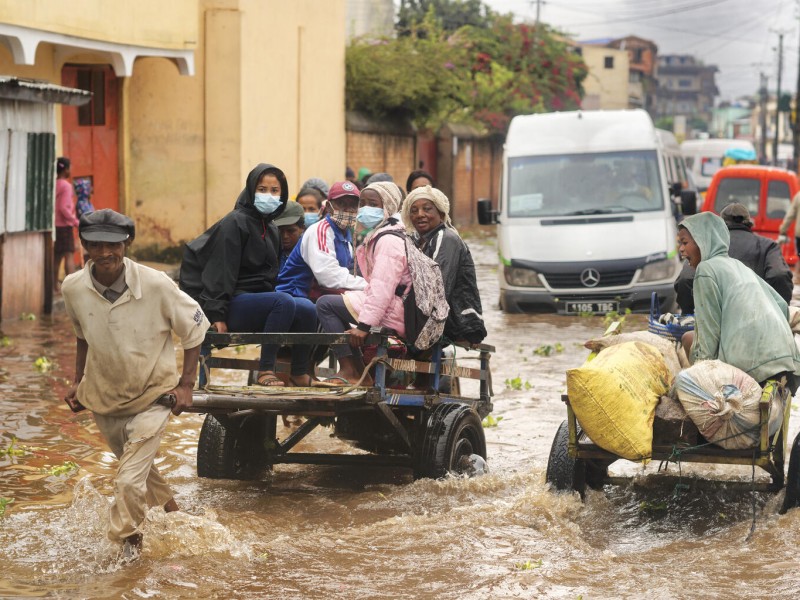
[[62, 469], [3, 503], [491, 421], [43, 364]]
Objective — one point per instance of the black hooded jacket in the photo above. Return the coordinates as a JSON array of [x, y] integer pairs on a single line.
[[761, 254], [238, 254], [465, 320]]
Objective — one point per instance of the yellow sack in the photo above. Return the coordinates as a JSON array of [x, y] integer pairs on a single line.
[[615, 395]]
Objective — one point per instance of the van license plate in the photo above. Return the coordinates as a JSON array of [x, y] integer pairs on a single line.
[[592, 307]]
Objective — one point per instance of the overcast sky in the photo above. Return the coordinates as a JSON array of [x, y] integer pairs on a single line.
[[740, 37]]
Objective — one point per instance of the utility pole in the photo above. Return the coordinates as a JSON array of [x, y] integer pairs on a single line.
[[762, 112], [538, 9], [778, 100]]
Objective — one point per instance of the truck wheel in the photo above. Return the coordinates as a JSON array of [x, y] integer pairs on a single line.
[[232, 448], [565, 473], [792, 498], [453, 432]]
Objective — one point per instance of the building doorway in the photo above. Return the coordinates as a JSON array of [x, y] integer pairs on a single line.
[[91, 132]]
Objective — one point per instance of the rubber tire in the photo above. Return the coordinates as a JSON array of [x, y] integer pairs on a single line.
[[792, 497], [565, 473], [232, 448], [451, 431]]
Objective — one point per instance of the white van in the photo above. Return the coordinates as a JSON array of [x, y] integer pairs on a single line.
[[704, 157], [586, 221]]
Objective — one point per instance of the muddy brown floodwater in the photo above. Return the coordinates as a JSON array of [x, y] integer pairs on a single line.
[[337, 532]]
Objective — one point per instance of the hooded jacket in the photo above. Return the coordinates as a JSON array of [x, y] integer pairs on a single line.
[[238, 254], [739, 319], [757, 252], [465, 319]]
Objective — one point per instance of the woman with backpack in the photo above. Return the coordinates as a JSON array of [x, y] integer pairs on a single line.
[[383, 263], [426, 216]]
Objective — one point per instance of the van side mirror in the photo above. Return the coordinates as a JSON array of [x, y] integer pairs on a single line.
[[675, 188], [688, 202], [486, 214]]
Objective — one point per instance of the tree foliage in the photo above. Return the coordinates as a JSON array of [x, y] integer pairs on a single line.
[[483, 73], [450, 15]]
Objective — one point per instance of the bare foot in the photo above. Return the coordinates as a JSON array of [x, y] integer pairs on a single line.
[[171, 506], [300, 380]]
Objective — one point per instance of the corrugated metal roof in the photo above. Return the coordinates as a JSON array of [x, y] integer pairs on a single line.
[[31, 90]]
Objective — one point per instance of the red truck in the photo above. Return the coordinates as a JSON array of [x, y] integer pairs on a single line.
[[767, 193]]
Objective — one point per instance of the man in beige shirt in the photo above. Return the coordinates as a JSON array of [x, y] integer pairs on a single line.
[[124, 315]]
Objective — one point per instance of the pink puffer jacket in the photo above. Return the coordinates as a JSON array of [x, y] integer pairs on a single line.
[[386, 268]]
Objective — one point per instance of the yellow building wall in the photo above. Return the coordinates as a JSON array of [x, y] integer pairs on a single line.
[[117, 21], [269, 87], [607, 87], [293, 88]]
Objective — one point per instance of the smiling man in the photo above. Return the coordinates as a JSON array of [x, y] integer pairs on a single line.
[[124, 315]]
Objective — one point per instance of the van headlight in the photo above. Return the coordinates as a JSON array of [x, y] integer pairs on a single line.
[[659, 270], [522, 277]]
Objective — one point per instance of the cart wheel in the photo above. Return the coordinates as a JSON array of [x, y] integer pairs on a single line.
[[563, 471], [232, 448], [792, 498], [452, 432]]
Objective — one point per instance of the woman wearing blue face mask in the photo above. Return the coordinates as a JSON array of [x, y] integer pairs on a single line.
[[311, 201], [231, 271]]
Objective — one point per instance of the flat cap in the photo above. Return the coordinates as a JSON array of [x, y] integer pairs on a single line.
[[736, 213], [292, 213], [106, 225]]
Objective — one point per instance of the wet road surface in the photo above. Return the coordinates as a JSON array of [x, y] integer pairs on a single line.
[[336, 532]]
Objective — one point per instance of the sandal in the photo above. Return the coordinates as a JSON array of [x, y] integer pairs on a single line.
[[269, 379], [335, 382]]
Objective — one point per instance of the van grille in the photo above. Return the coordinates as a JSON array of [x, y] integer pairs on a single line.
[[573, 280]]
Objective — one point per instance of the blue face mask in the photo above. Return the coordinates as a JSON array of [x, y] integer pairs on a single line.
[[266, 204], [310, 218], [370, 216]]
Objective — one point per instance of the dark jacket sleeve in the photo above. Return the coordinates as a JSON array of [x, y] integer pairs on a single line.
[[465, 321], [776, 272], [221, 270], [684, 288], [449, 259]]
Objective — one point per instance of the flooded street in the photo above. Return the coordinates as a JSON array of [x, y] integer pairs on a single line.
[[341, 532]]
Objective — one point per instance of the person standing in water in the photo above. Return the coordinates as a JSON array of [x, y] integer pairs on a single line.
[[124, 315], [66, 222]]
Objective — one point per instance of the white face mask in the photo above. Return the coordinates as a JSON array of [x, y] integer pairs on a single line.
[[266, 204]]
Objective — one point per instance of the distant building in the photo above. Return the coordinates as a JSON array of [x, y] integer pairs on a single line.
[[606, 85], [686, 87], [642, 61], [732, 120]]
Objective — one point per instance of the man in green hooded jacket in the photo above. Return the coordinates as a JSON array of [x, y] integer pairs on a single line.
[[739, 318]]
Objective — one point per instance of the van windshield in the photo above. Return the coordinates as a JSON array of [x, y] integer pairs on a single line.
[[584, 184]]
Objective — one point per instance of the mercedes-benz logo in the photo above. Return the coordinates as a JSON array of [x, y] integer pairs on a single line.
[[590, 277]]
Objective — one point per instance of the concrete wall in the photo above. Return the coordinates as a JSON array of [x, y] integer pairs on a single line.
[[469, 170], [269, 87], [382, 153], [166, 24]]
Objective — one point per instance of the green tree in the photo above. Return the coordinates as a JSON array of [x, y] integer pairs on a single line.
[[477, 75], [417, 77], [451, 15]]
